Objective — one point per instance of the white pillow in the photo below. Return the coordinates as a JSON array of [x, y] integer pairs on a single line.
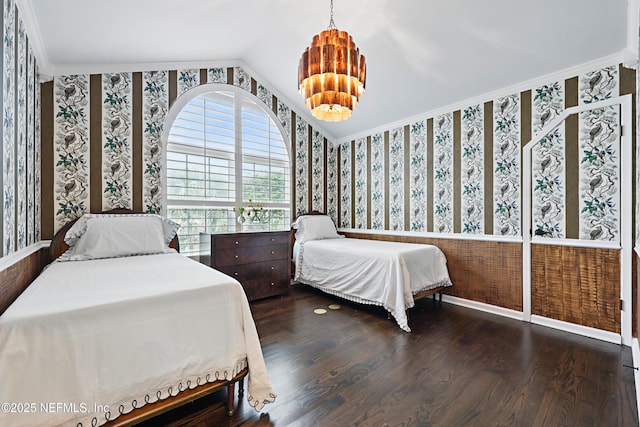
[[315, 227], [97, 236]]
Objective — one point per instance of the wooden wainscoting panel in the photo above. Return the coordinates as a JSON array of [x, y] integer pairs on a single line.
[[576, 285], [482, 271], [15, 279]]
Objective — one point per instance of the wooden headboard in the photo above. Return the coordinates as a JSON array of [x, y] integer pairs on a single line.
[[58, 245]]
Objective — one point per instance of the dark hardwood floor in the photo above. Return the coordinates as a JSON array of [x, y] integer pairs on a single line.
[[459, 367]]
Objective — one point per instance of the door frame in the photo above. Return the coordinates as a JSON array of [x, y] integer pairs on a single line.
[[626, 226]]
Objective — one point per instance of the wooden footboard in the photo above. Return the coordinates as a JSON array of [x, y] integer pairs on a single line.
[[151, 410], [17, 277]]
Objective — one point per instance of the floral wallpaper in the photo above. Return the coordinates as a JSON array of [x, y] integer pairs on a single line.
[[20, 137], [506, 166], [345, 185], [396, 179], [548, 164], [117, 167], [332, 182], [21, 199], [8, 128], [37, 155], [361, 183], [317, 171], [155, 105], [71, 147], [217, 75], [301, 175], [265, 96], [443, 174], [241, 79], [187, 79], [284, 115], [488, 199], [72, 120], [418, 176], [472, 168], [32, 168], [378, 182], [599, 151]]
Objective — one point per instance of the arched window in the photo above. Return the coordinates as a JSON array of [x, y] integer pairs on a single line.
[[227, 166]]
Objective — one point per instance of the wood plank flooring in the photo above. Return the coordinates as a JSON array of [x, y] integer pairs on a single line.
[[459, 367]]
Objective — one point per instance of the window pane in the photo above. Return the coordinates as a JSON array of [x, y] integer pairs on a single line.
[[202, 174], [272, 219], [194, 220]]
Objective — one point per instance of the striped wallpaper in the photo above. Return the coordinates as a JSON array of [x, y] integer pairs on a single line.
[[461, 172], [458, 172], [155, 106], [360, 183], [106, 147], [301, 174], [418, 175], [20, 139], [506, 166]]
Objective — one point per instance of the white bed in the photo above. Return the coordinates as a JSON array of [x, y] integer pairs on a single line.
[[387, 274], [88, 340]]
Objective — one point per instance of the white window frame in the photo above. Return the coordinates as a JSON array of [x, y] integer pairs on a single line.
[[173, 113]]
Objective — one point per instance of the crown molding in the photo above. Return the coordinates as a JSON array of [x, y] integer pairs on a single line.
[[25, 10], [99, 68]]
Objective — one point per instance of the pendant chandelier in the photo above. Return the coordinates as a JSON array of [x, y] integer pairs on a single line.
[[331, 74]]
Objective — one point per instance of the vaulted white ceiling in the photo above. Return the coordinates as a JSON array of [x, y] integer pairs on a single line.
[[421, 54]]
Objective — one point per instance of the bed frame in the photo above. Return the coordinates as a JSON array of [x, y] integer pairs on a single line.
[[150, 410], [434, 291]]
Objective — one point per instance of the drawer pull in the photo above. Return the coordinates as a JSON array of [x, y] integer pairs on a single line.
[[237, 256], [273, 284], [273, 240], [235, 274], [273, 252], [273, 268], [236, 243]]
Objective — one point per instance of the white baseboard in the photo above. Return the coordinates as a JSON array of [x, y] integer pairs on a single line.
[[538, 320], [577, 329], [488, 308]]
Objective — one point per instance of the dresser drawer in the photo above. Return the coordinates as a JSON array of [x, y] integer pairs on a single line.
[[263, 272], [260, 261], [256, 289], [250, 254], [256, 239]]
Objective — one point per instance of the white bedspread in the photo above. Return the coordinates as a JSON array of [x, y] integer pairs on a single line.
[[89, 336], [372, 271]]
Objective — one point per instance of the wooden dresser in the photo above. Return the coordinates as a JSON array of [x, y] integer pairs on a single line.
[[260, 261]]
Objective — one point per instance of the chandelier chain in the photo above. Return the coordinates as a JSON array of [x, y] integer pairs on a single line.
[[332, 24]]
